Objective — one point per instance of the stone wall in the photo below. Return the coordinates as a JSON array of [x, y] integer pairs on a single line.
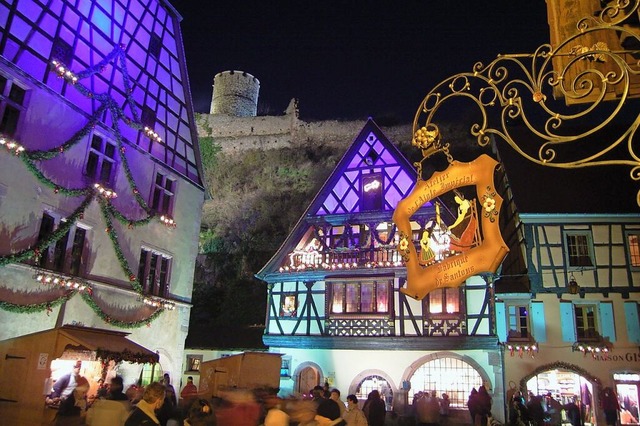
[[236, 134]]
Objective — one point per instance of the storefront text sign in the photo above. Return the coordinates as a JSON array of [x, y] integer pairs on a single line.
[[626, 357]]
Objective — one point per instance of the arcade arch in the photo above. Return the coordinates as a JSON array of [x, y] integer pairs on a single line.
[[448, 373]]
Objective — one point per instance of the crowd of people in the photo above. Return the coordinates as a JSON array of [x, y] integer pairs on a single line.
[[158, 404], [545, 410]]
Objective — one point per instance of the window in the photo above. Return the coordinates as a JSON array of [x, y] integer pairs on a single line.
[[443, 302], [357, 297], [633, 241], [446, 375], [148, 117], [163, 192], [586, 322], [375, 382], [289, 306], [193, 363], [101, 160], [518, 322], [150, 373], [155, 44], [62, 51], [579, 249], [285, 367], [372, 192], [153, 272], [12, 105], [66, 255]]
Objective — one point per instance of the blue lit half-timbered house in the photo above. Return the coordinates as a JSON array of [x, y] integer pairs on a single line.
[[335, 309]]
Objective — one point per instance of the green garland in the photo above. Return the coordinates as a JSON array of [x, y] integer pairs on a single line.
[[30, 158], [36, 307], [113, 321], [50, 239], [118, 250]]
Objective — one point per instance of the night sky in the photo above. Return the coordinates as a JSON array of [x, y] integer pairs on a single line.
[[350, 59]]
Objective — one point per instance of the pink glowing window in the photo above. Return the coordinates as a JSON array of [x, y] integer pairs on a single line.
[[443, 301], [358, 297]]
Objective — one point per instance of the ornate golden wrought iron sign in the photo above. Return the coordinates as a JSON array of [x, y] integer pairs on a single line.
[[454, 267], [572, 100]]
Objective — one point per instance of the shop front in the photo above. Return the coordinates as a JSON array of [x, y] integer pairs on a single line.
[[585, 384]]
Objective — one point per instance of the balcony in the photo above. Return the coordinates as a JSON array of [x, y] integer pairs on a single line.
[[343, 258]]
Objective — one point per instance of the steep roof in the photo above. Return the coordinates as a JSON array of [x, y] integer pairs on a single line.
[[370, 154]]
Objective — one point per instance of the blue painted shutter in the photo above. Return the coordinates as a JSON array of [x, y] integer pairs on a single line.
[[607, 323], [537, 322], [567, 322], [501, 323], [633, 321]]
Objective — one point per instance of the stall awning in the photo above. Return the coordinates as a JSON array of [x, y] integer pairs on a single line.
[[107, 344]]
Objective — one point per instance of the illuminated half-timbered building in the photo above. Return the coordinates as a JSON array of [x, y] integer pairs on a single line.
[[100, 192], [335, 309]]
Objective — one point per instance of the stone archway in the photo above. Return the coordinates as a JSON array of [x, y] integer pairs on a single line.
[[562, 366], [383, 383], [307, 375], [565, 381]]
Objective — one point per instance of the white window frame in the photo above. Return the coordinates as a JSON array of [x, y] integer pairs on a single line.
[[101, 158], [163, 192], [49, 252], [163, 289], [633, 250], [590, 253], [514, 319], [582, 309]]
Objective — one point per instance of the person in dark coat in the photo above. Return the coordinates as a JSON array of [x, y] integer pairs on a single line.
[[610, 406], [375, 409], [518, 413], [484, 405], [573, 413], [536, 411], [472, 405], [144, 414], [326, 407]]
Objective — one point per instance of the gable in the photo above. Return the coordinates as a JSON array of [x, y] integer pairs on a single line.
[[354, 205], [372, 176]]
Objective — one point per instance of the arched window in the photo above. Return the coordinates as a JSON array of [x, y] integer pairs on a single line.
[[150, 373], [452, 376], [375, 382]]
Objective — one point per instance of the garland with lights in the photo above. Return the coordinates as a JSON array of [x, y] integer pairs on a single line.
[[116, 322], [103, 195]]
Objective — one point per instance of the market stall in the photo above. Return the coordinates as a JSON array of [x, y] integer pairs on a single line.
[[31, 364]]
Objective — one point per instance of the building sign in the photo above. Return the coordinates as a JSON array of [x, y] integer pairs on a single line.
[[626, 357], [454, 269]]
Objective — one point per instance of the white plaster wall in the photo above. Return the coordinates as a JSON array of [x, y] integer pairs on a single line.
[[49, 122], [342, 367]]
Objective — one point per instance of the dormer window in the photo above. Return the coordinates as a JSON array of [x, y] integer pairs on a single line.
[[371, 194]]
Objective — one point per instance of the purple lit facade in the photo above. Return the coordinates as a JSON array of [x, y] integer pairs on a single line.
[[100, 181]]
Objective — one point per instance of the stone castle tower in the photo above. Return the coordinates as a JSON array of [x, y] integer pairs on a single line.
[[235, 93]]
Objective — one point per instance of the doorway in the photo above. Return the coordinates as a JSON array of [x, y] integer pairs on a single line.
[[565, 385], [628, 391]]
